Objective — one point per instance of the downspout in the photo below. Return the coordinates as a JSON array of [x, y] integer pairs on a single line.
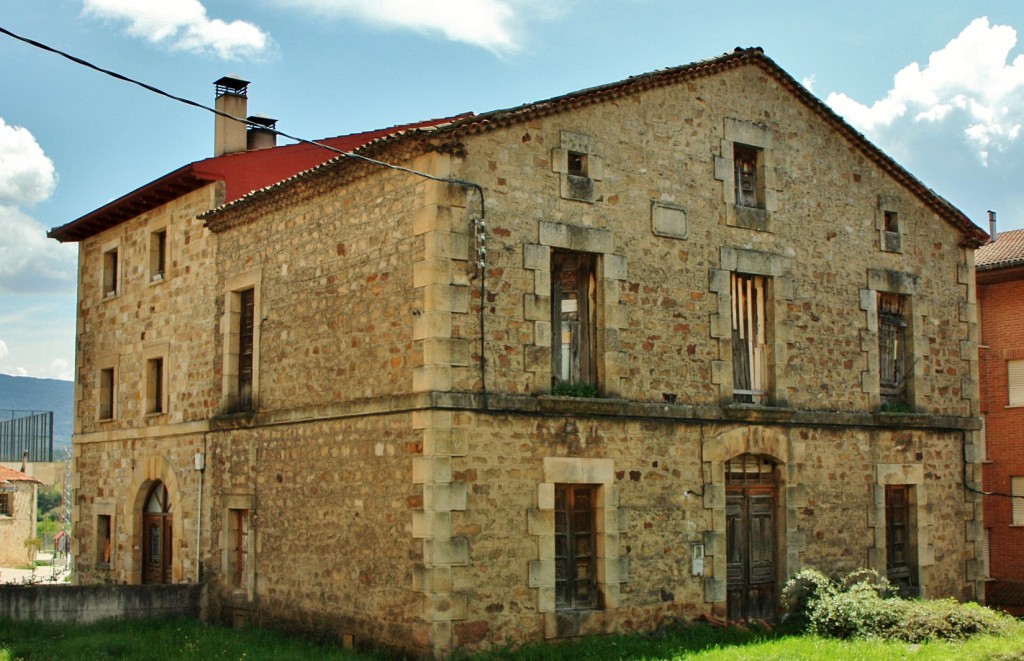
[[200, 463]]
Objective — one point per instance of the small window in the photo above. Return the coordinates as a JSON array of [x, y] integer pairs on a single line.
[[155, 385], [106, 394], [892, 221], [573, 321], [1017, 491], [749, 338], [110, 273], [900, 568], [158, 255], [239, 548], [577, 164], [6, 504], [103, 539], [982, 452], [576, 547], [747, 185], [986, 554], [892, 349], [1015, 382], [246, 346]]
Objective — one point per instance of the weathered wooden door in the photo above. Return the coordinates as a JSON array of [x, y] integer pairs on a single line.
[[157, 536], [750, 539]]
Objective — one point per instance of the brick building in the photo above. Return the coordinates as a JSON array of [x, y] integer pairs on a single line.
[[1000, 274], [628, 355]]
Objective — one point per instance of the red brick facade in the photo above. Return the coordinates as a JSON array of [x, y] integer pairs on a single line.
[[1001, 304]]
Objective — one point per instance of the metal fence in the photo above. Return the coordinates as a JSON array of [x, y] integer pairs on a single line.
[[26, 431]]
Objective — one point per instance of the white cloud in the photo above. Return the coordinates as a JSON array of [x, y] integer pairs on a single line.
[[4, 351], [27, 175], [970, 85], [489, 24], [183, 25], [60, 369]]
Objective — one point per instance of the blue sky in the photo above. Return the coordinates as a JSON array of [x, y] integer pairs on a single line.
[[938, 85]]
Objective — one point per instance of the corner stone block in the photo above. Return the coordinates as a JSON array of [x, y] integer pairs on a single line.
[[446, 298], [546, 604], [451, 552], [445, 607], [796, 540], [431, 469], [615, 267], [432, 324], [536, 257], [724, 168], [796, 495], [436, 271], [431, 525], [714, 542], [432, 377], [536, 308], [542, 333], [537, 359], [445, 497], [714, 590], [541, 573], [540, 522], [714, 496], [554, 234], [546, 496]]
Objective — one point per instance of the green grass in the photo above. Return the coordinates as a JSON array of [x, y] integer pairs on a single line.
[[189, 639]]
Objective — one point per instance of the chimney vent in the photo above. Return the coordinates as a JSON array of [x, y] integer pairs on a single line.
[[992, 226], [229, 134], [261, 133]]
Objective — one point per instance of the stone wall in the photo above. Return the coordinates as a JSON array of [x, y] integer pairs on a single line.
[[19, 526]]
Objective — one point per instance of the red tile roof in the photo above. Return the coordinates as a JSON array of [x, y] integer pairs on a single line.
[[1006, 250], [973, 236], [11, 475], [242, 173]]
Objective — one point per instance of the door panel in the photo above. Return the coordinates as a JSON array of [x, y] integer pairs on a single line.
[[750, 552]]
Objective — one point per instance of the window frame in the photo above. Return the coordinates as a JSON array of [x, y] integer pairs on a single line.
[[156, 386], [900, 555], [748, 165], [111, 273], [1015, 382], [241, 355], [894, 353], [7, 504], [240, 536], [750, 324], [104, 539], [158, 255], [1017, 501], [106, 389], [579, 364], [576, 528]]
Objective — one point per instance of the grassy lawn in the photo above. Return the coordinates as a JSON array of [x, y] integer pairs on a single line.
[[188, 639]]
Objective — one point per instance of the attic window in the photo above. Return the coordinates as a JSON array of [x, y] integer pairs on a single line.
[[747, 194], [577, 164], [892, 221], [110, 274]]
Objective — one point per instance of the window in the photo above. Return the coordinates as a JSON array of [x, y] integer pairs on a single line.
[[6, 504], [986, 554], [1017, 491], [576, 547], [577, 164], [749, 340], [155, 385], [891, 220], [238, 548], [892, 349], [158, 255], [106, 394], [747, 185], [1015, 382], [573, 326], [110, 273], [103, 539], [898, 537], [982, 449], [246, 337]]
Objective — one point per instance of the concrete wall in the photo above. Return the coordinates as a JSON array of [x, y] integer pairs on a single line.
[[70, 603]]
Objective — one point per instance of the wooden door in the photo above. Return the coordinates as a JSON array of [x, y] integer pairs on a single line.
[[157, 536], [750, 539]]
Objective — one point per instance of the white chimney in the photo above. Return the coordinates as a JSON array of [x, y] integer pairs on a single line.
[[261, 132], [229, 135], [992, 226]]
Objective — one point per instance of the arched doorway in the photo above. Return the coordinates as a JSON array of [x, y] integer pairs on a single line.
[[750, 487], [157, 534]]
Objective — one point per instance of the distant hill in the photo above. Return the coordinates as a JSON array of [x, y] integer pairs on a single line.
[[24, 393]]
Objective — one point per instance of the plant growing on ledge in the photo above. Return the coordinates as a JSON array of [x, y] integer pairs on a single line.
[[574, 390], [896, 407]]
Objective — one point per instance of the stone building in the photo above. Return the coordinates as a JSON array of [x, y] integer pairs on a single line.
[[18, 495], [629, 355], [1000, 274]]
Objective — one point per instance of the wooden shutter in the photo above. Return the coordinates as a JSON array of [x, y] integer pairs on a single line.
[[1015, 381], [1017, 489]]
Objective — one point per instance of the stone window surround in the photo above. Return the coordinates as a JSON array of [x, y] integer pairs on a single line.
[[229, 328], [787, 453], [234, 502], [114, 246], [891, 241], [105, 507], [151, 352], [611, 315], [573, 187], [921, 519], [612, 566], [153, 277], [751, 262], [758, 136], [904, 284], [110, 361]]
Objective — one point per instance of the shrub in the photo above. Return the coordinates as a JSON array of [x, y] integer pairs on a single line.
[[863, 605], [574, 390]]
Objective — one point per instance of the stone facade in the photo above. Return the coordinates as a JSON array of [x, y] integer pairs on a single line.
[[18, 494], [401, 474]]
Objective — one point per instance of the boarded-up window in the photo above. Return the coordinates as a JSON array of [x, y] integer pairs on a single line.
[[898, 532], [747, 184], [1017, 490], [749, 338], [239, 551], [1015, 378], [573, 321], [246, 345], [892, 348], [576, 547]]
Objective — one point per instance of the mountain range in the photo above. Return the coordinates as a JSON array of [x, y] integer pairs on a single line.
[[25, 393]]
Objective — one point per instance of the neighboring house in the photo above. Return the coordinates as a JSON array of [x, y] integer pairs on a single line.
[[18, 494], [1000, 274], [340, 405]]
